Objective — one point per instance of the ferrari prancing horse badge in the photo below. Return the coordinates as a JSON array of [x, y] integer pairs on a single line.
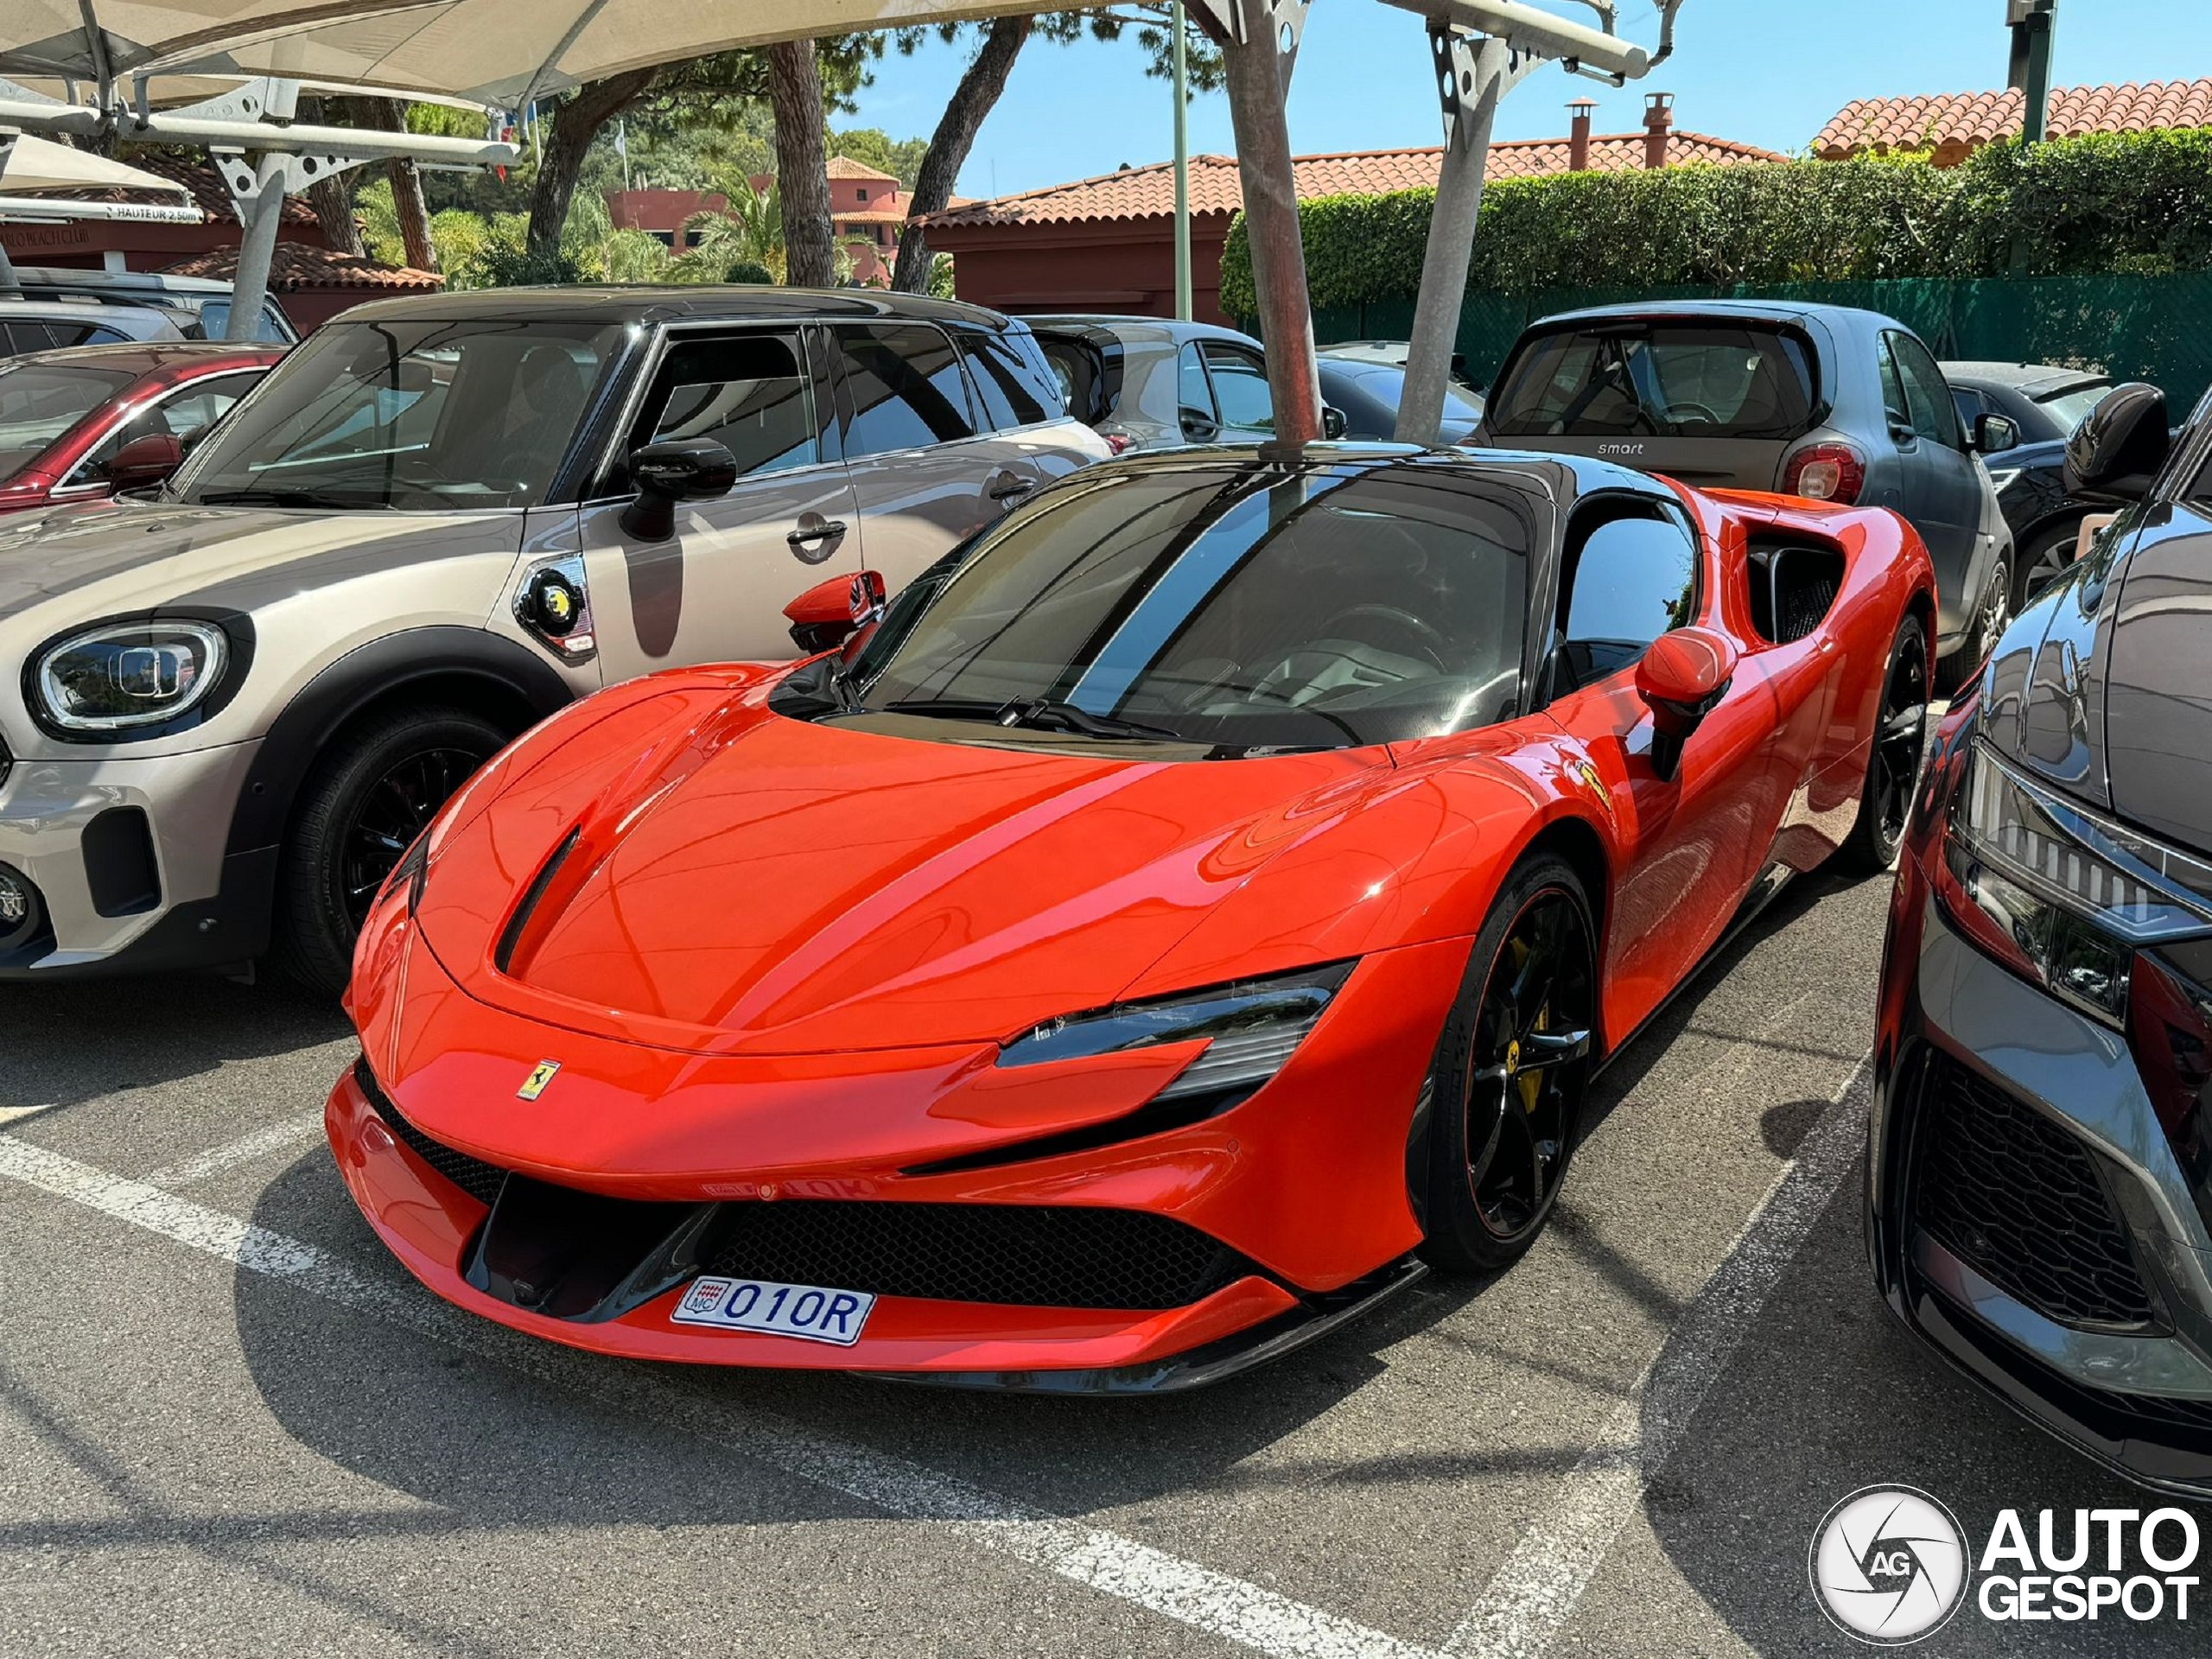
[[534, 1086]]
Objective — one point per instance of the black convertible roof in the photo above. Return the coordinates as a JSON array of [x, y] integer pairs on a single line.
[[674, 302]]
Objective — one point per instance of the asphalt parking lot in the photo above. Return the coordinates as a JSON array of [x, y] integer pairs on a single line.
[[230, 1424]]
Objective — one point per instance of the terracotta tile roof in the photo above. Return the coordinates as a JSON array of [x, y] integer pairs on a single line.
[[296, 265], [1150, 192], [1971, 118], [844, 167]]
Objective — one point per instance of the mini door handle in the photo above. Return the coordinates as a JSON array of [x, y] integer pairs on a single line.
[[822, 533], [1007, 487]]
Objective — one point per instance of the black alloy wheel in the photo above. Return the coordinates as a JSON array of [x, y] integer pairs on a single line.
[[1893, 764], [372, 793], [1513, 1072], [2043, 561], [395, 808]]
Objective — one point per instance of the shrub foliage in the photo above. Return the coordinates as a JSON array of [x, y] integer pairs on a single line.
[[2135, 203]]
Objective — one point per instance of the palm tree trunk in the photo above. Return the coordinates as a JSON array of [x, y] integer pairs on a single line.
[[955, 136], [802, 165], [568, 135]]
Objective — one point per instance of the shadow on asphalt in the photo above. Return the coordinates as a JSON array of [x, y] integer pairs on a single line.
[[134, 1033], [1828, 1394]]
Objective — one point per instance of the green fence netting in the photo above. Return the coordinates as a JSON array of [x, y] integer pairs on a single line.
[[2156, 328]]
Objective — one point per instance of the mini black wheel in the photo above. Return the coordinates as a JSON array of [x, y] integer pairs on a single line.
[[1511, 1072], [368, 797], [1893, 766]]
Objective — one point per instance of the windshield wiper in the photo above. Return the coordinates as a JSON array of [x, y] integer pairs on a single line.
[[281, 499], [1035, 713]]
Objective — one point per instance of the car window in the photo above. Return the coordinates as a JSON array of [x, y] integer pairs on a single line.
[[904, 386], [422, 414], [39, 401], [1926, 395], [750, 393], [1631, 576], [1233, 606], [1893, 401], [1666, 379], [1005, 383], [1969, 405], [183, 414], [1193, 391], [1239, 387], [2068, 409], [25, 335], [215, 321]]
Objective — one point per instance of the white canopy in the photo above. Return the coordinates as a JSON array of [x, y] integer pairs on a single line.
[[500, 52], [35, 165]]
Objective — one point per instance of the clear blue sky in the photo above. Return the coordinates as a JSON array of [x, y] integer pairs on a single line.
[[1765, 72]]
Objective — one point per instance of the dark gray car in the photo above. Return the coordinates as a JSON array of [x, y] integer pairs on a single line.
[[2039, 1199], [1814, 400]]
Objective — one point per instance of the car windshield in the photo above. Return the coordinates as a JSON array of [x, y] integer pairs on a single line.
[[41, 401], [1243, 608], [420, 416], [1665, 379]]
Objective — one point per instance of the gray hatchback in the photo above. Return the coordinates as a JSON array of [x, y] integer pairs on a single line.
[[1814, 400]]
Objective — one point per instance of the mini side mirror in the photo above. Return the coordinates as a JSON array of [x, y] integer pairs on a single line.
[[1681, 678], [1994, 434], [688, 469], [1333, 424], [145, 460], [2119, 445], [829, 612]]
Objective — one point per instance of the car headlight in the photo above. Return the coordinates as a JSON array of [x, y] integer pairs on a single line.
[[2072, 894], [122, 676], [1250, 1029]]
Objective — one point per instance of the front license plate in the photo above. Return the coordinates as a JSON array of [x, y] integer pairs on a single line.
[[805, 1311]]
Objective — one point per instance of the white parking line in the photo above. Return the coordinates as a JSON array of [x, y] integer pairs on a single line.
[[1183, 1590], [15, 1114], [1535, 1593], [271, 1137]]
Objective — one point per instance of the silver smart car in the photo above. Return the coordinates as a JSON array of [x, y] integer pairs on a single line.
[[235, 703]]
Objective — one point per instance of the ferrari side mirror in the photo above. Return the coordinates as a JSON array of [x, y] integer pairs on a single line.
[[1682, 678], [827, 614]]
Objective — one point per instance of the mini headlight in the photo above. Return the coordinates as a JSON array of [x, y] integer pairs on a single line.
[[1250, 1028], [2074, 892], [124, 675]]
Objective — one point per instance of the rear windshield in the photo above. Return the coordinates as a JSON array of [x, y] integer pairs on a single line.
[[39, 401], [1660, 379], [2068, 406]]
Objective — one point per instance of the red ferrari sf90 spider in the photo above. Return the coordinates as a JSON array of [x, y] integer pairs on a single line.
[[1198, 902]]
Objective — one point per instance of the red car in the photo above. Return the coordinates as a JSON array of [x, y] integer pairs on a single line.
[[66, 416], [1201, 900]]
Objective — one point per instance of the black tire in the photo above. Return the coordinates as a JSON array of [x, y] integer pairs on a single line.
[[1503, 1126], [370, 794], [2045, 558], [1991, 616], [1893, 762]]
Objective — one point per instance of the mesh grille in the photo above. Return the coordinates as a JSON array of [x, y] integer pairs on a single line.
[[481, 1180], [2017, 1199], [1036, 1256]]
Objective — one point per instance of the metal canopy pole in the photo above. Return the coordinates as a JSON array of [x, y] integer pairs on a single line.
[[1259, 42], [1185, 302], [1481, 49], [2032, 23], [1472, 73]]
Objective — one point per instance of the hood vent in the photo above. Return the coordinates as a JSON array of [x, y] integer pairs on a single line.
[[512, 935]]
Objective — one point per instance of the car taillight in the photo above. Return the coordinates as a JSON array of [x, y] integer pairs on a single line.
[[1825, 472]]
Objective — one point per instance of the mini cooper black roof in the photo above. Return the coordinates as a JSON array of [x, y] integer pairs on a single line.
[[1560, 477], [676, 302]]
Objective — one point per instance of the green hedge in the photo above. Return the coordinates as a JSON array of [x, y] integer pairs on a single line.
[[2136, 203]]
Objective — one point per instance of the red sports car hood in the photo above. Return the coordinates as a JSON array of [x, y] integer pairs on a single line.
[[736, 881]]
